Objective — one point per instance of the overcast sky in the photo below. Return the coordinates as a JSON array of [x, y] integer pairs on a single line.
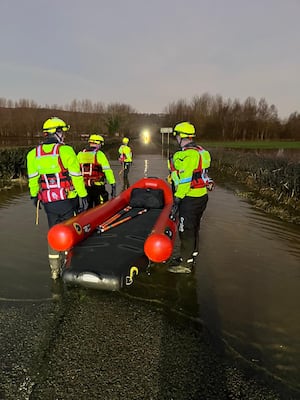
[[150, 53]]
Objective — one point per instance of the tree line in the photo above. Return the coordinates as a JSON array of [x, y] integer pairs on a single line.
[[21, 125], [220, 119], [214, 117]]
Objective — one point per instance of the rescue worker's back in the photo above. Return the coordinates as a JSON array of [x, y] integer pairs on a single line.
[[189, 172]]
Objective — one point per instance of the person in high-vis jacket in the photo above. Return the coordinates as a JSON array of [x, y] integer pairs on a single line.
[[96, 171], [189, 172], [125, 158], [55, 181]]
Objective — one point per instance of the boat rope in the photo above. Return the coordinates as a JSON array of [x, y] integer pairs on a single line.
[[120, 174], [37, 212]]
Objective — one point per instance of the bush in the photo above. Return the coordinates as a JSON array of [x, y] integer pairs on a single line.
[[275, 179], [13, 162]]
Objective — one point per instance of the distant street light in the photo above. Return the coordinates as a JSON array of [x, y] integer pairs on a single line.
[[145, 136]]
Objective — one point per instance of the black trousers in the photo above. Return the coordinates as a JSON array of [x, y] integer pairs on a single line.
[[126, 169], [97, 194], [59, 211], [191, 210]]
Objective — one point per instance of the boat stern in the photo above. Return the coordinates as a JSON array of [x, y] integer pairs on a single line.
[[92, 280]]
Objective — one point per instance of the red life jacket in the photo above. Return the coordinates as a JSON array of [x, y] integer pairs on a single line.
[[55, 186], [92, 172], [199, 176], [198, 173], [171, 167]]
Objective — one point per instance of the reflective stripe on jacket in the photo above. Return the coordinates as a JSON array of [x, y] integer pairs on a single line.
[[54, 186], [52, 167]]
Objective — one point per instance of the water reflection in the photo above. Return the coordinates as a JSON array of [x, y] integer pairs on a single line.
[[245, 290], [253, 268], [12, 194]]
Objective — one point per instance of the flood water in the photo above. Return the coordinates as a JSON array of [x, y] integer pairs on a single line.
[[245, 289]]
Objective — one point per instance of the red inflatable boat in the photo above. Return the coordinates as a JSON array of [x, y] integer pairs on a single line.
[[109, 244]]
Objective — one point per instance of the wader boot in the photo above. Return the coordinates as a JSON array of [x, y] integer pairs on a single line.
[[55, 262], [180, 266], [54, 266]]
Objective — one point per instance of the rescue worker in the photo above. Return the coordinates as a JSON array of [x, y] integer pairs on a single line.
[[189, 171], [96, 171], [125, 158], [55, 180]]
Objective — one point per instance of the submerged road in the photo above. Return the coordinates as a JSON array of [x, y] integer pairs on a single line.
[[166, 337]]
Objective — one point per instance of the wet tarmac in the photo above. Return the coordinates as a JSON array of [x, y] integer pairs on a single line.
[[104, 346]]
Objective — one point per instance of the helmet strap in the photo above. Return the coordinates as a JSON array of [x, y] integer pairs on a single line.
[[179, 139], [59, 136], [184, 141]]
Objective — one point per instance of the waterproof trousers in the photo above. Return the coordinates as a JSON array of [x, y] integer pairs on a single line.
[[97, 194], [57, 212], [190, 213], [126, 169]]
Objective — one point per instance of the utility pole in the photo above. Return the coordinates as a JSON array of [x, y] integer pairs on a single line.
[[167, 130]]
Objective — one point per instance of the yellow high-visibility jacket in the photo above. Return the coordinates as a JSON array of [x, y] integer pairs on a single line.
[[125, 153], [95, 159], [185, 163], [37, 167]]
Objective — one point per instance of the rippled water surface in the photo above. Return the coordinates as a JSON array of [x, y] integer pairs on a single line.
[[245, 288]]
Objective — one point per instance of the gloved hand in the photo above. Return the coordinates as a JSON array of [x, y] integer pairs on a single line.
[[169, 179], [174, 209], [83, 204], [113, 191], [210, 185], [35, 200]]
